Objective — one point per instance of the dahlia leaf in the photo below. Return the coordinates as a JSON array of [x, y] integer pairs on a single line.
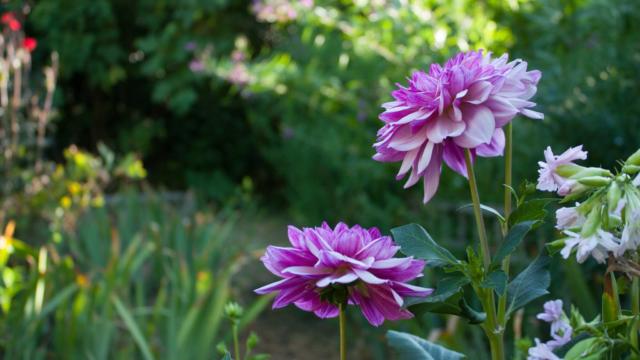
[[411, 347], [415, 241], [530, 284], [512, 240]]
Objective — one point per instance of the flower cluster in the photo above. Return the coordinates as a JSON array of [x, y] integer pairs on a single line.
[[561, 332], [607, 221], [11, 22], [461, 105], [345, 265]]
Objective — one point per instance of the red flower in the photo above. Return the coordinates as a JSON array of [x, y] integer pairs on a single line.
[[10, 20], [29, 44]]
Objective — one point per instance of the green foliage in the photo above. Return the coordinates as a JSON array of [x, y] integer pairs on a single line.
[[411, 347], [415, 241], [136, 279], [529, 285]]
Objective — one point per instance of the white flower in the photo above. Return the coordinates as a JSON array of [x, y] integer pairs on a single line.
[[636, 181], [541, 352], [569, 217], [596, 245], [630, 238], [549, 180]]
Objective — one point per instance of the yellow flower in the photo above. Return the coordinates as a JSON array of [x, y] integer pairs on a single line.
[[65, 202]]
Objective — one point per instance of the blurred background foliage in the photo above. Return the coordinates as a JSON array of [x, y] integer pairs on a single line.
[[267, 108], [286, 94]]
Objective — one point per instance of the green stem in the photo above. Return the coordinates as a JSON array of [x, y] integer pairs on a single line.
[[236, 343], [635, 310], [492, 328], [508, 181], [475, 198], [343, 339]]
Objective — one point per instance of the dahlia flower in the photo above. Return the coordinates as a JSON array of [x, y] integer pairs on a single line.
[[549, 179], [326, 267], [461, 105]]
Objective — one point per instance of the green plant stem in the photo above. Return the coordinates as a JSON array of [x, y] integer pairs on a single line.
[[492, 329], [635, 310], [343, 340], [475, 198], [236, 343], [508, 181]]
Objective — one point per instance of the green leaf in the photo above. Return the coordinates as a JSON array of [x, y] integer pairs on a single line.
[[447, 299], [496, 280], [512, 240], [487, 209], [133, 328], [532, 210], [530, 284], [415, 241], [444, 300], [587, 349], [411, 347]]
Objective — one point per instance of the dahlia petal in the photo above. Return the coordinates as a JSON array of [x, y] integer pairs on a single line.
[[426, 157], [411, 290], [381, 249], [391, 263], [334, 259], [277, 258], [480, 127], [413, 179], [306, 270], [343, 279], [288, 296], [367, 308], [478, 92], [432, 175], [444, 127], [405, 272], [495, 147], [416, 115], [454, 158], [408, 141], [296, 237], [369, 277], [327, 310], [532, 114], [502, 110], [407, 162]]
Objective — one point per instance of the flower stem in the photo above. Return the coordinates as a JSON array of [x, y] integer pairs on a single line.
[[475, 198], [236, 343], [508, 181], [343, 337], [635, 310], [492, 328]]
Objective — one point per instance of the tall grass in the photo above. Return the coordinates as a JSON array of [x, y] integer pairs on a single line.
[[135, 279]]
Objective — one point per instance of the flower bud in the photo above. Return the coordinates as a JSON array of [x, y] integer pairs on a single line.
[[592, 171], [591, 224], [613, 195], [631, 169], [634, 159], [568, 170], [595, 181]]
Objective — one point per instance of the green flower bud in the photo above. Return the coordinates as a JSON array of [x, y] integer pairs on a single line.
[[595, 181], [592, 171], [592, 223], [569, 170], [631, 169], [233, 311], [613, 196], [634, 159]]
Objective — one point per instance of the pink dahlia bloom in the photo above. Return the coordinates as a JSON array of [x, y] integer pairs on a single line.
[[461, 105], [354, 262]]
